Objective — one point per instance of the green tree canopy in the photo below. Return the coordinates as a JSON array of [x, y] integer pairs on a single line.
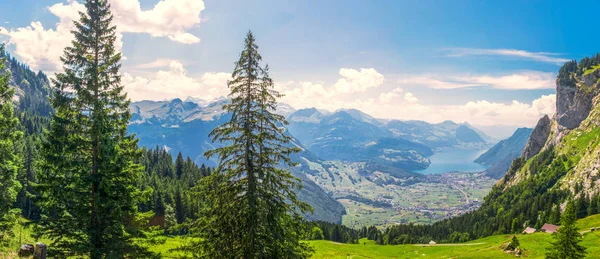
[[567, 243], [9, 160], [252, 210], [87, 192]]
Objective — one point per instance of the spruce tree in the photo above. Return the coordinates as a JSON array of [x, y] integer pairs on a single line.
[[9, 160], [88, 198], [251, 209], [179, 165], [567, 243]]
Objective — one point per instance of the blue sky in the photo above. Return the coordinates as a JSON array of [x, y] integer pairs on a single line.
[[485, 62]]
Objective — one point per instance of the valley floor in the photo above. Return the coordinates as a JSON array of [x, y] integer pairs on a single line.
[[382, 200]]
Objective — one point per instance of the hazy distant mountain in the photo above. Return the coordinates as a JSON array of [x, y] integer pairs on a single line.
[[350, 135], [441, 135], [501, 155], [468, 135], [497, 131], [391, 148], [183, 126]]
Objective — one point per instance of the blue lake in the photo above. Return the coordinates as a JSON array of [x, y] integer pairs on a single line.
[[450, 160]]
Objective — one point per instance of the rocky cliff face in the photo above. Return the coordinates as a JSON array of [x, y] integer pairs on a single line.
[[574, 99], [538, 137], [573, 133]]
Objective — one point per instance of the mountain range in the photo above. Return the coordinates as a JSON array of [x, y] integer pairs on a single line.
[[381, 151]]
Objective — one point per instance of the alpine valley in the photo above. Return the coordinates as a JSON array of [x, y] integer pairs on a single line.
[[356, 169]]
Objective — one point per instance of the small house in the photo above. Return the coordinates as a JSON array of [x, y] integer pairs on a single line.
[[432, 243], [529, 230], [549, 228]]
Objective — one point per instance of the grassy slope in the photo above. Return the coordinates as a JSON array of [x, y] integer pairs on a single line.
[[23, 236], [534, 246]]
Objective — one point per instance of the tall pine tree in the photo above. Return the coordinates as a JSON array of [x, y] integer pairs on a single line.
[[9, 161], [88, 198], [567, 243], [251, 209]]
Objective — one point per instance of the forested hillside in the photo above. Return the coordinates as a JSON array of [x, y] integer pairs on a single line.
[[537, 186]]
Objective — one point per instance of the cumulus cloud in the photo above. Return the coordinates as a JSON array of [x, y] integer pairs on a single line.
[[515, 53], [176, 83], [168, 18], [41, 47], [388, 97], [409, 97], [352, 82], [515, 81], [358, 80], [397, 103], [514, 113]]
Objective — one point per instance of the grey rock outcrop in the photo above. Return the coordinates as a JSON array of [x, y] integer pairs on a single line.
[[574, 102], [538, 137]]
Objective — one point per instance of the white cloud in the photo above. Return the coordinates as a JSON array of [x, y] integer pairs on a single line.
[[397, 103], [173, 83], [358, 81], [521, 54], [168, 18], [409, 97], [41, 48], [515, 81], [390, 96], [514, 113], [352, 81], [159, 63]]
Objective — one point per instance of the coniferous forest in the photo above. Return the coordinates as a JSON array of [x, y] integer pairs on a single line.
[[72, 173]]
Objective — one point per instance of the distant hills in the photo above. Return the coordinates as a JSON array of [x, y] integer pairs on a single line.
[[501, 155], [351, 135], [380, 147]]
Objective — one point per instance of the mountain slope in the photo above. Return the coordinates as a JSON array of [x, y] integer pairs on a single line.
[[536, 187], [350, 135], [182, 126], [501, 155], [466, 134], [442, 135]]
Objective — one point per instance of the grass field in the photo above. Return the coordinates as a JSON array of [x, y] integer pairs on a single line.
[[533, 245]]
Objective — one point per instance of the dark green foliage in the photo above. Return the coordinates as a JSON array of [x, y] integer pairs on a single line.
[[565, 74], [164, 189], [531, 202], [9, 159], [252, 210], [316, 234], [86, 187], [514, 244], [332, 232], [567, 243]]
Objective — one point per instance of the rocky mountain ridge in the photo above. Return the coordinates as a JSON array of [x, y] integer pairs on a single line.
[[572, 132]]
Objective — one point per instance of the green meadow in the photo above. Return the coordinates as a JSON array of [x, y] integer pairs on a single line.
[[533, 246]]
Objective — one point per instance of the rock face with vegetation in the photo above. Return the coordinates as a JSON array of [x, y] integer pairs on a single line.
[[538, 137], [537, 186]]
